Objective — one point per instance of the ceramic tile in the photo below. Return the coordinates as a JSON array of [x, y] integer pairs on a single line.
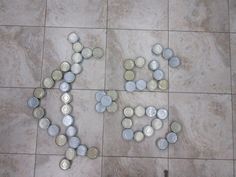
[[77, 13], [151, 14], [58, 49], [232, 13], [125, 167], [113, 128], [48, 165], [207, 126], [88, 122], [205, 62], [17, 165], [21, 56], [123, 44], [203, 168], [23, 12], [199, 15], [17, 126], [233, 61]]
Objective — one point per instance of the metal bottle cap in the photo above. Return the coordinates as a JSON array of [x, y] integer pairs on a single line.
[[39, 92], [77, 58], [86, 53], [92, 153], [65, 66], [113, 94], [66, 109], [128, 111], [99, 95], [68, 120], [128, 64], [129, 75], [44, 123], [167, 53], [66, 98], [139, 111], [100, 107], [48, 82], [60, 140], [162, 113], [148, 131], [138, 136], [76, 68], [64, 164], [74, 142], [158, 74], [157, 49], [64, 87], [140, 62], [57, 75], [141, 84], [33, 102], [71, 131], [153, 65], [113, 107], [106, 100], [162, 143], [69, 77], [176, 127], [77, 47], [38, 112], [73, 37], [98, 52], [174, 62], [82, 150], [163, 84], [152, 85], [171, 137], [157, 124], [130, 86], [151, 111], [127, 134], [53, 130], [126, 123], [70, 154]]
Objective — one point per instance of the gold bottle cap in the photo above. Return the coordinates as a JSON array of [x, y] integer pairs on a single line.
[[60, 140], [140, 62], [138, 136], [57, 75], [113, 94], [38, 112], [39, 92], [65, 66], [163, 84], [113, 107], [48, 82], [129, 75], [70, 153], [127, 123], [152, 85], [176, 127], [139, 111], [92, 153], [128, 64]]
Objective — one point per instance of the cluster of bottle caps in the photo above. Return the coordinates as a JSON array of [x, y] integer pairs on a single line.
[[66, 73]]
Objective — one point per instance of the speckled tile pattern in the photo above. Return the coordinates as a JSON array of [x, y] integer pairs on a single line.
[[201, 95]]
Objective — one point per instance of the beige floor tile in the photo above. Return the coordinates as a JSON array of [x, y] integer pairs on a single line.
[[233, 61], [232, 12]]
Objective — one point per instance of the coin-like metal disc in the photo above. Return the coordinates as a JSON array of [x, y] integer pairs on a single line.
[[174, 62], [65, 66], [98, 52], [157, 49], [176, 127], [72, 37], [64, 87], [162, 113], [68, 120], [66, 98], [129, 75], [106, 100], [113, 94], [76, 68], [92, 153], [167, 53], [113, 107], [64, 164], [44, 123], [48, 82], [140, 62], [57, 75], [74, 142], [53, 130], [76, 58], [139, 111], [158, 74], [141, 84], [163, 84], [70, 154], [99, 95], [61, 140], [148, 131], [39, 92], [152, 85], [77, 47], [151, 111], [33, 102], [138, 136], [162, 143], [71, 131], [130, 86], [157, 124], [66, 109], [69, 77], [87, 53], [153, 65], [100, 107], [129, 64], [172, 137], [127, 134], [127, 123], [82, 150], [128, 111], [38, 112]]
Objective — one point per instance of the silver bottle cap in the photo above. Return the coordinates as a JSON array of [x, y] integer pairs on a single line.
[[176, 127], [148, 131], [98, 52], [77, 47], [70, 154], [100, 107], [152, 85], [157, 124], [174, 62], [151, 111], [128, 134], [53, 130], [140, 62], [72, 37], [167, 53], [76, 68], [66, 109], [61, 140], [38, 112], [126, 123], [74, 142], [153, 65], [64, 87], [157, 49], [66, 98], [130, 86], [44, 123], [57, 75], [138, 136], [113, 107], [171, 137], [39, 92], [71, 131], [162, 113], [162, 143], [64, 164], [113, 94], [106, 100], [128, 111], [68, 120], [48, 82], [82, 150], [129, 64], [87, 53], [99, 95], [158, 74], [77, 58], [33, 102], [69, 77], [141, 84], [65, 66], [139, 111]]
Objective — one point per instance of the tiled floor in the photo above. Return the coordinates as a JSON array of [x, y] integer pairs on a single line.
[[202, 94]]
